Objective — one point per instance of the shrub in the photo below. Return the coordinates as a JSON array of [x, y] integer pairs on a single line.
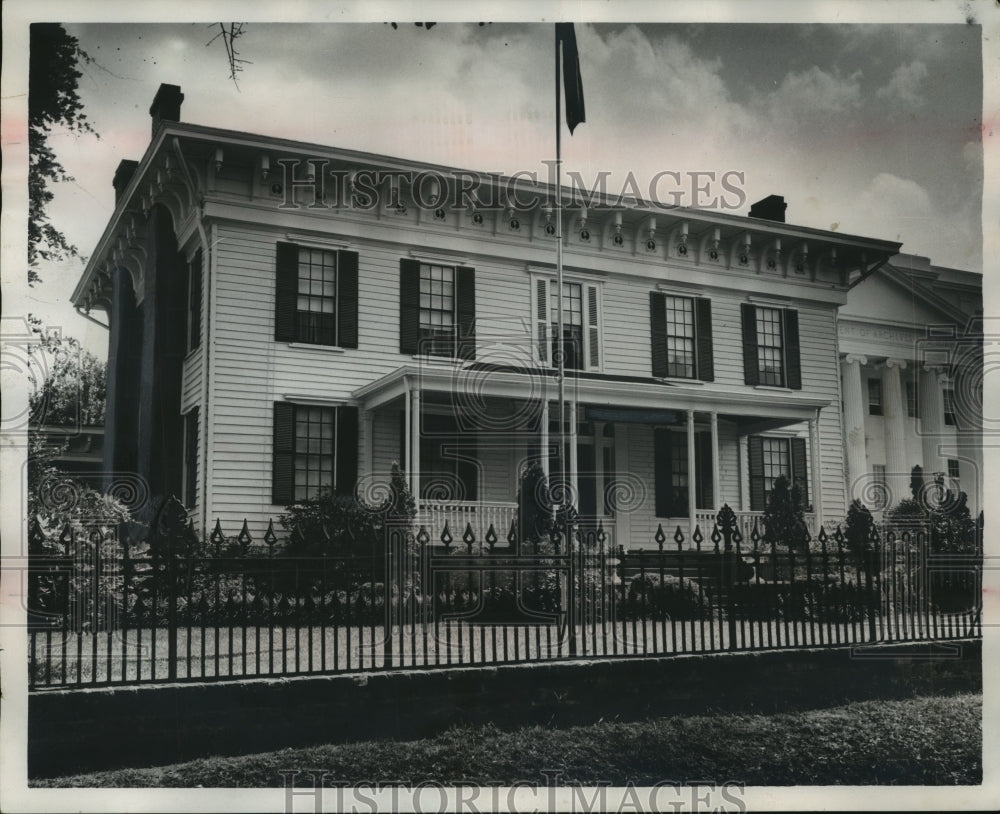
[[784, 516], [669, 597]]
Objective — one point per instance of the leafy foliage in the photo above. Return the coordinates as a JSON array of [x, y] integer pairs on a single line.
[[341, 524], [74, 390], [53, 102], [784, 516], [859, 528], [534, 504]]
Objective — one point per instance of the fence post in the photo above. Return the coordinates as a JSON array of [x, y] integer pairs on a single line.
[[726, 521], [169, 528]]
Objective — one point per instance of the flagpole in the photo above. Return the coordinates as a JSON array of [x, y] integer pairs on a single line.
[[560, 344]]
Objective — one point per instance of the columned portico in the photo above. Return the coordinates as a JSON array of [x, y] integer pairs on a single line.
[[854, 421], [896, 468]]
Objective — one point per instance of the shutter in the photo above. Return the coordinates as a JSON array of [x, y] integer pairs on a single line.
[[191, 458], [751, 365], [800, 473], [658, 332], [593, 329], [465, 311], [703, 338], [793, 365], [286, 291], [661, 472], [755, 460], [468, 471], [283, 454], [409, 305], [347, 450], [704, 499], [347, 299], [542, 319]]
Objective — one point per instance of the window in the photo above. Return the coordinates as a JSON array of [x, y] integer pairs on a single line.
[[771, 346], [190, 458], [878, 474], [681, 336], [316, 314], [315, 448], [671, 472], [581, 340], [437, 309], [949, 406], [770, 458], [194, 302], [874, 397], [316, 298], [912, 408], [953, 469]]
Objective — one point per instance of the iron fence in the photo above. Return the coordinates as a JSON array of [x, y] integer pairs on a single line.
[[172, 609]]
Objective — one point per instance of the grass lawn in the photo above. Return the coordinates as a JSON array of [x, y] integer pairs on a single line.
[[919, 741]]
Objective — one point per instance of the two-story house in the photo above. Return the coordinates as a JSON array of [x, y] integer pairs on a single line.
[[288, 316]]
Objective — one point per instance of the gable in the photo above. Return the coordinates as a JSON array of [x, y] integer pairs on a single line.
[[881, 299]]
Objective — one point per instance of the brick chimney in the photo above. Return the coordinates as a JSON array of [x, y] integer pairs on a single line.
[[770, 208], [166, 105], [126, 169]]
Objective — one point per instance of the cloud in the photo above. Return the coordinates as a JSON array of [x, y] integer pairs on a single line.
[[813, 94], [904, 87]]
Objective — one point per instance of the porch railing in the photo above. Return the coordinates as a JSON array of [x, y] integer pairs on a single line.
[[459, 515], [705, 519]]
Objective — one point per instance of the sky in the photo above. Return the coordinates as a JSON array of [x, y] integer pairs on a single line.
[[874, 130]]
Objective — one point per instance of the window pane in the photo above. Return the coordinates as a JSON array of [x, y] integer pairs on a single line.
[[770, 356], [316, 304]]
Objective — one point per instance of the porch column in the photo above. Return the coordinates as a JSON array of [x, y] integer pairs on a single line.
[[897, 471], [415, 444], [854, 422], [816, 476], [545, 438], [931, 383], [574, 481], [692, 474], [716, 489]]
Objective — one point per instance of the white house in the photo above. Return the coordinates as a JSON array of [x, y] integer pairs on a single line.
[[287, 316]]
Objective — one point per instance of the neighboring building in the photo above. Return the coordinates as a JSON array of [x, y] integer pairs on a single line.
[[259, 351], [911, 352]]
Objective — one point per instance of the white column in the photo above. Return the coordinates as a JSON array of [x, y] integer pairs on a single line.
[[623, 517], [716, 476], [854, 422], [545, 438], [692, 474], [896, 468], [816, 490], [407, 465], [932, 380], [415, 444]]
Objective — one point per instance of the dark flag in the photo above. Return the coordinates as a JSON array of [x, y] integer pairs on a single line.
[[572, 81]]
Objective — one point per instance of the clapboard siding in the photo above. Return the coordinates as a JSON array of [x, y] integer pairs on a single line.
[[252, 370]]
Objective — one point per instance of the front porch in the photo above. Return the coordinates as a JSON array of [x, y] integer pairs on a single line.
[[640, 455]]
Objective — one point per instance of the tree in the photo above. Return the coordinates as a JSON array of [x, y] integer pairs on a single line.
[[53, 101], [859, 528], [74, 390], [784, 515]]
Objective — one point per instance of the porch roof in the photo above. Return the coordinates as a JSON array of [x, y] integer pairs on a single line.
[[474, 381]]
